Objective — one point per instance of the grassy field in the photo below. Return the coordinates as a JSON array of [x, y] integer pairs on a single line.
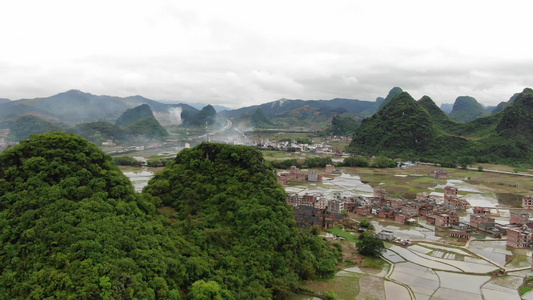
[[345, 234], [345, 287]]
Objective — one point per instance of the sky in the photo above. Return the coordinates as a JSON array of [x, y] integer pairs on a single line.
[[242, 53]]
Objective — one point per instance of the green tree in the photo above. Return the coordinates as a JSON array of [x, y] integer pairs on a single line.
[[465, 161], [366, 224], [358, 161], [383, 162], [210, 290], [369, 245]]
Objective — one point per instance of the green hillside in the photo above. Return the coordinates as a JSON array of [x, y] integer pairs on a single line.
[[229, 204], [29, 124], [502, 105], [207, 115], [402, 125], [466, 109], [259, 120], [342, 125], [140, 122], [146, 128], [505, 137], [98, 132], [132, 115], [212, 225], [73, 228], [393, 92]]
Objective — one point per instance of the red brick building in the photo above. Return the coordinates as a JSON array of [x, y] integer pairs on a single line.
[[477, 220], [456, 203], [401, 218], [520, 219], [439, 174], [519, 237], [386, 213], [294, 174], [380, 194], [397, 203], [446, 220], [478, 210], [450, 192], [527, 202], [411, 210], [363, 210]]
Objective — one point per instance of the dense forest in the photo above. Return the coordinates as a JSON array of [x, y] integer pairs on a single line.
[[420, 130], [229, 204], [213, 225], [26, 125]]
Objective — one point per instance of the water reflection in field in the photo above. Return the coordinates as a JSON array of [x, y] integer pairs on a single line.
[[139, 179], [302, 297]]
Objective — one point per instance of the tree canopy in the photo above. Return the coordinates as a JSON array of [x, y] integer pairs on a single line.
[[72, 227], [229, 204], [213, 225], [369, 245]]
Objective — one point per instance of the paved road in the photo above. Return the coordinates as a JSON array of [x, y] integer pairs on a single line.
[[228, 126]]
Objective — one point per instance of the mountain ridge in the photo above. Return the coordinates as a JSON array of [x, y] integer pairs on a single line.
[[75, 106], [503, 137]]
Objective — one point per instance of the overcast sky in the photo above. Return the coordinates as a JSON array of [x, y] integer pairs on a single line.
[[240, 53]]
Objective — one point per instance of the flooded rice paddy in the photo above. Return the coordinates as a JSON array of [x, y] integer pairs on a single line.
[[139, 179]]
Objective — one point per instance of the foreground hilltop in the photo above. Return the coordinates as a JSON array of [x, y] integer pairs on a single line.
[[213, 224]]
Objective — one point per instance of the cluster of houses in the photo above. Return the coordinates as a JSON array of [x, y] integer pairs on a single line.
[[319, 147], [400, 210], [295, 174], [317, 209]]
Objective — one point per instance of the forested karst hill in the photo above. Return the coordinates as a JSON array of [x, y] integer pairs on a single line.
[[466, 109], [140, 121], [259, 120], [30, 124], [208, 115], [73, 228], [393, 92], [228, 203], [503, 137], [400, 125], [502, 105]]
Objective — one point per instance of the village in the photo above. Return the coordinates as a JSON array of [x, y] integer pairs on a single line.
[[327, 211], [440, 244]]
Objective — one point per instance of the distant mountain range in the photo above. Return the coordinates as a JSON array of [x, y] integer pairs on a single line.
[[73, 107], [311, 114], [135, 124]]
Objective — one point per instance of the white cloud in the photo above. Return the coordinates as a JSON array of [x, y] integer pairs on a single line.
[[247, 52]]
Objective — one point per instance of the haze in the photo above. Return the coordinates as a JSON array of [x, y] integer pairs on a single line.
[[241, 53]]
